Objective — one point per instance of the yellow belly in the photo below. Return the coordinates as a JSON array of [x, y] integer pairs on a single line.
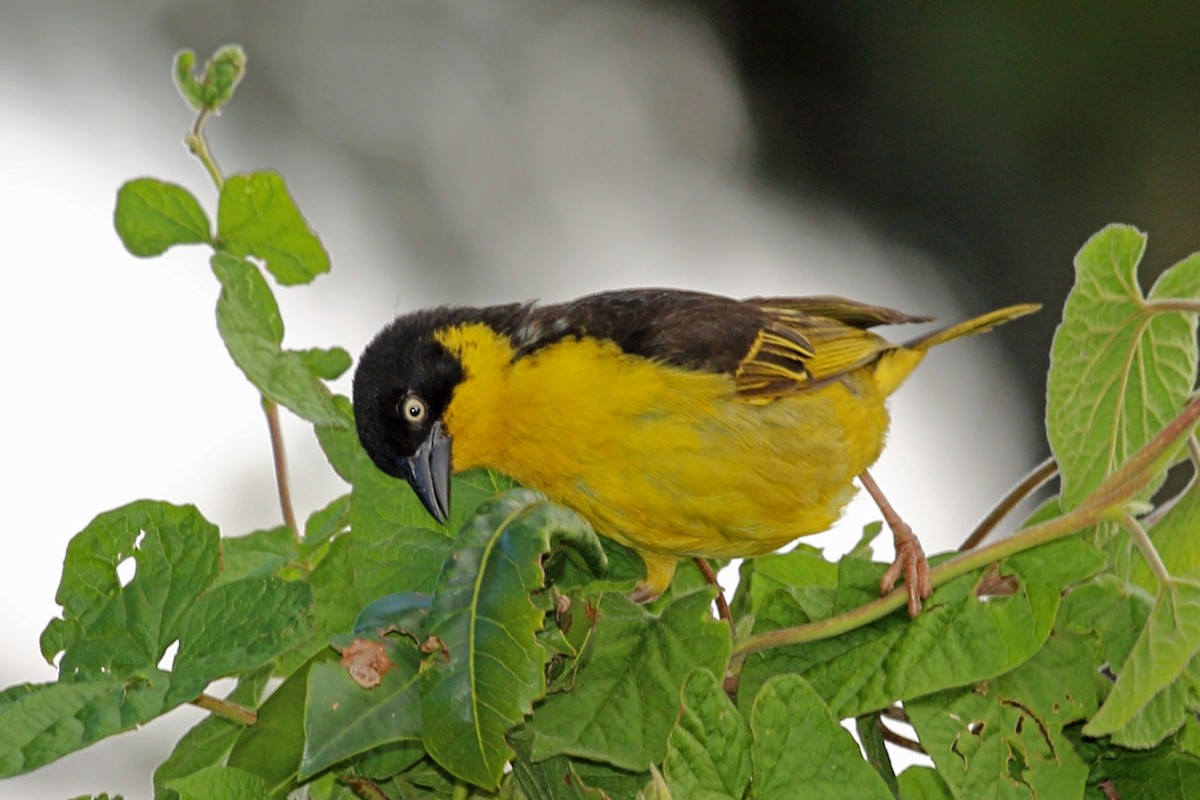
[[666, 460]]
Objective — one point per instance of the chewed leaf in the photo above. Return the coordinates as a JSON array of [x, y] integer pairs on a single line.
[[152, 216], [1120, 368]]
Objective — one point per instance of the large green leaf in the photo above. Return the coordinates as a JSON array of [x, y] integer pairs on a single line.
[[1003, 738], [113, 636], [489, 670], [226, 783], [625, 697], [249, 323], [708, 753], [800, 749], [394, 545], [1119, 369], [1161, 661], [152, 216], [958, 639], [256, 216], [342, 719]]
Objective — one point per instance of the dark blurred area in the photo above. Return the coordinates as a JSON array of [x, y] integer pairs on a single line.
[[997, 135]]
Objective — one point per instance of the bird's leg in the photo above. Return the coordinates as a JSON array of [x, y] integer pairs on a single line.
[[659, 572], [910, 558], [707, 571]]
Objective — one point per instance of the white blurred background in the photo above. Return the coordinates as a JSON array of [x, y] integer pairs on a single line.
[[453, 152]]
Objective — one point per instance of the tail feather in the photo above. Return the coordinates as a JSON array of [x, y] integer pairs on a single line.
[[897, 364], [980, 324]]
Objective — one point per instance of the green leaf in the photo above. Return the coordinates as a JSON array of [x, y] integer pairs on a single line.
[[626, 696], [258, 554], [249, 322], [224, 782], [958, 639], [1119, 370], [222, 73], [394, 544], [256, 216], [210, 740], [152, 216], [923, 783], [326, 363], [272, 748], [112, 637], [1169, 770], [708, 752], [563, 778], [339, 441], [404, 612], [342, 719], [1174, 537], [107, 628], [1003, 738], [799, 743], [40, 723], [802, 573], [490, 671], [1168, 644]]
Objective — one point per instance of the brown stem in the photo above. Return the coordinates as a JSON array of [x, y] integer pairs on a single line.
[[1038, 477], [902, 741], [710, 576], [224, 708], [279, 455]]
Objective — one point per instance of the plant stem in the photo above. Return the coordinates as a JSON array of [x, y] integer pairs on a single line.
[[1107, 501], [279, 455], [224, 708], [1149, 552], [198, 146], [461, 791], [1173, 305], [1038, 477]]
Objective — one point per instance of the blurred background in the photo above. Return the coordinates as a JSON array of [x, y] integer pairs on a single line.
[[943, 159]]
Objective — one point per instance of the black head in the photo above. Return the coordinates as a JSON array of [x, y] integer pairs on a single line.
[[403, 384]]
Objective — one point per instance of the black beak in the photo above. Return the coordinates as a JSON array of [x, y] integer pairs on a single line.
[[428, 472]]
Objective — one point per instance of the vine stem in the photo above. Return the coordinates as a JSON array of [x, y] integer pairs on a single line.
[[1038, 477], [461, 791], [1149, 552], [1106, 502], [224, 708], [198, 146]]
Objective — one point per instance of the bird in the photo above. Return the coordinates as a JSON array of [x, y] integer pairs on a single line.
[[678, 423]]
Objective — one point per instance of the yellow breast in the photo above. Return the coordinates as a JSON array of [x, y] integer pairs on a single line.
[[664, 459]]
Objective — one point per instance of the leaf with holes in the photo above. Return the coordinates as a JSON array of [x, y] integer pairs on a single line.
[[1120, 368], [488, 672], [113, 636], [1003, 738]]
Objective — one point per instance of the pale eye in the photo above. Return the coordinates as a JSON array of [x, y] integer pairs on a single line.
[[412, 409]]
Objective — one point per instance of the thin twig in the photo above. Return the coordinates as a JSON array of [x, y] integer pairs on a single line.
[[710, 576], [279, 455], [198, 146], [227, 709], [1038, 477], [902, 741]]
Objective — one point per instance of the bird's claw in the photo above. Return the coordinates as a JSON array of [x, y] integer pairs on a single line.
[[912, 564]]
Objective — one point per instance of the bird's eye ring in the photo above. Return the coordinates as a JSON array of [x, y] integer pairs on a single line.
[[412, 409]]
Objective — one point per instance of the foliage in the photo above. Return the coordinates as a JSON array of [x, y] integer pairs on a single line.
[[497, 656]]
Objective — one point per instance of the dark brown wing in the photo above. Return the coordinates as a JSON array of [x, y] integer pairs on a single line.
[[771, 346]]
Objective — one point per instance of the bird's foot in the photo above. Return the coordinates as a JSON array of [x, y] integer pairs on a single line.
[[912, 564]]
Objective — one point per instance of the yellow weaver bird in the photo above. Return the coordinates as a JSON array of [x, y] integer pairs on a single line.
[[678, 423]]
